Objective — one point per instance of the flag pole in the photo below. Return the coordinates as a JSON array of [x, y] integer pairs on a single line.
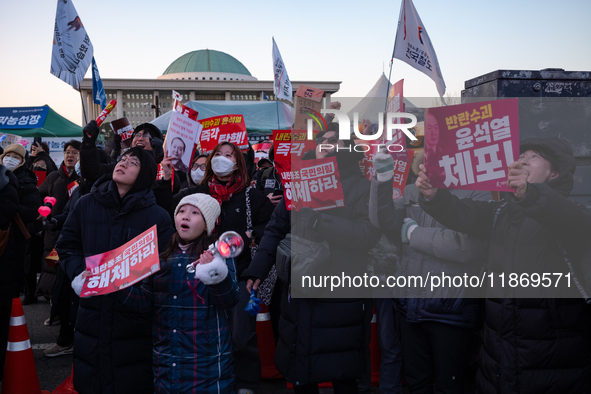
[[83, 110], [393, 52], [277, 102]]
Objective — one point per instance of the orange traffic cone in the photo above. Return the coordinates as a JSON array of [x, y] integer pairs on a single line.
[[67, 386], [266, 344], [20, 373]]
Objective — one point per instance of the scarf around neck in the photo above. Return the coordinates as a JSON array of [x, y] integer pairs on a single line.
[[224, 192]]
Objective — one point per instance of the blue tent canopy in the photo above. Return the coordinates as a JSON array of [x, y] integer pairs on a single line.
[[260, 117]]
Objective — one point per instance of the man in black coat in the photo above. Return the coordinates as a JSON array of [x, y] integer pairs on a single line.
[[112, 346], [530, 344]]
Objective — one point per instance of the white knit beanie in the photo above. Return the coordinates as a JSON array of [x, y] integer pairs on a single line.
[[209, 207]]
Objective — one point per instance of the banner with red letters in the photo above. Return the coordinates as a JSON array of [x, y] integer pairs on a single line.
[[122, 267], [470, 146], [225, 128]]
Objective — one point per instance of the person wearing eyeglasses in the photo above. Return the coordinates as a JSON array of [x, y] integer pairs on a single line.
[[146, 136], [113, 345]]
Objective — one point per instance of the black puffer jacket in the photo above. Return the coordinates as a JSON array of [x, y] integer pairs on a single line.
[[322, 339], [530, 345], [113, 347], [11, 259]]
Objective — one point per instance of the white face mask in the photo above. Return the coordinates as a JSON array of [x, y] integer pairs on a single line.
[[10, 162], [77, 169], [222, 166], [197, 175]]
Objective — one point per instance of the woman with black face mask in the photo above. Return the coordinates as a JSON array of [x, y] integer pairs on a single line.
[[226, 179]]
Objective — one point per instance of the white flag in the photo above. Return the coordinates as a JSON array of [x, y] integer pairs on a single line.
[[282, 83], [72, 50], [177, 96], [414, 46]]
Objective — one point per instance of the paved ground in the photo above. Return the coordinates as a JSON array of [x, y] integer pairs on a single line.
[[53, 371]]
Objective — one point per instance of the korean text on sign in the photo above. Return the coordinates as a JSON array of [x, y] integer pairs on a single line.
[[225, 128], [477, 142], [288, 145], [122, 267]]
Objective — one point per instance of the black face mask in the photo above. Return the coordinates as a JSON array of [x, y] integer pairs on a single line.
[[39, 169]]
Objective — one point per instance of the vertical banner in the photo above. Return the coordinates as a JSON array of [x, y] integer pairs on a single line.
[[98, 91], [218, 129], [72, 50], [470, 146], [282, 84], [413, 45], [122, 267]]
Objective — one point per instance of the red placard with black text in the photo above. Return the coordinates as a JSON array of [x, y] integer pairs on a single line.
[[122, 267], [291, 144]]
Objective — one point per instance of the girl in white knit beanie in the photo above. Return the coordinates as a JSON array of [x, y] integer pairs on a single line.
[[191, 331]]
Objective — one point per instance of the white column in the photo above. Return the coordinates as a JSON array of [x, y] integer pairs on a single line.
[[119, 104], [262, 99], [228, 95], [89, 107], [192, 95], [327, 97]]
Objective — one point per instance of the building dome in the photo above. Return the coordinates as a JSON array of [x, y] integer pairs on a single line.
[[207, 64]]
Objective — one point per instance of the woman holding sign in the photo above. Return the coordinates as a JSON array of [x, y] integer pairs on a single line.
[[227, 181], [112, 346]]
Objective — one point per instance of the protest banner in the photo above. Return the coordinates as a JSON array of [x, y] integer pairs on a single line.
[[261, 150], [188, 112], [122, 267], [470, 146], [181, 138], [23, 117], [225, 128], [402, 163], [307, 106], [291, 144], [71, 187], [124, 129], [312, 184], [9, 139]]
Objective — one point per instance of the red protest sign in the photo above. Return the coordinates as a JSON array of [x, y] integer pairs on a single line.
[[261, 150], [470, 146], [291, 144], [71, 187], [124, 129], [313, 184], [283, 167], [183, 109], [41, 175], [402, 162], [225, 128], [122, 267]]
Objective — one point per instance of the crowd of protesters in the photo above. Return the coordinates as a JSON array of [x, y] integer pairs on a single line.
[[179, 332]]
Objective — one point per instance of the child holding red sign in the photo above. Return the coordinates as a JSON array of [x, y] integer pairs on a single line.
[[191, 331]]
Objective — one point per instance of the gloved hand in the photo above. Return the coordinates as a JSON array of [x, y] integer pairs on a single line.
[[117, 139], [157, 150], [49, 224], [407, 228], [90, 133], [78, 282], [383, 163], [254, 304], [309, 218]]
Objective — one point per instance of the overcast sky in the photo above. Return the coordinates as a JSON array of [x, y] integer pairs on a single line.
[[346, 41]]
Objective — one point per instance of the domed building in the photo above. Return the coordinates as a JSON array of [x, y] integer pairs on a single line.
[[204, 74], [207, 65]]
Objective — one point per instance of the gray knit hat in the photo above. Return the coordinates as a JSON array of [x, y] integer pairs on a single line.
[[209, 207]]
